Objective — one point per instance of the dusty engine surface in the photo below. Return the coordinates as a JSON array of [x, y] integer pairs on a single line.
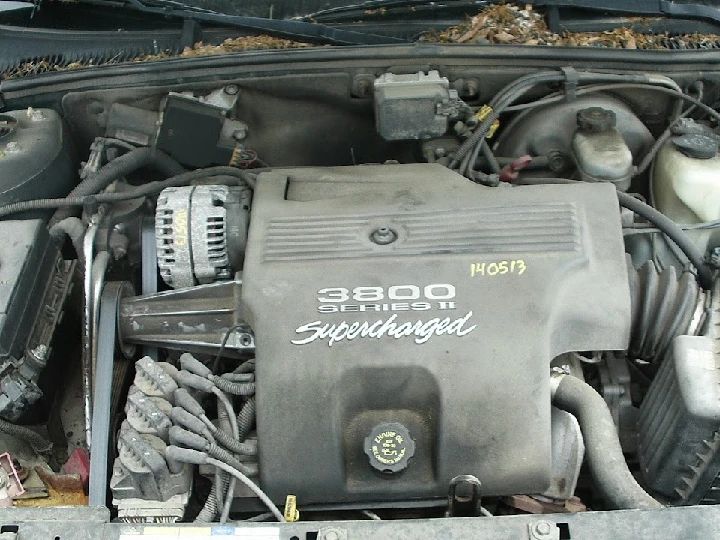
[[404, 326], [238, 327]]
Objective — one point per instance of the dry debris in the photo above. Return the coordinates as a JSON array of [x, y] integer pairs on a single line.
[[510, 24], [498, 24], [230, 45], [248, 43], [43, 66]]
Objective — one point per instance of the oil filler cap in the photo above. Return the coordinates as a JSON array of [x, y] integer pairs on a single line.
[[389, 447]]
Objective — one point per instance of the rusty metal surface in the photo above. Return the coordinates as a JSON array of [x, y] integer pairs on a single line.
[[13, 472], [61, 490], [532, 505]]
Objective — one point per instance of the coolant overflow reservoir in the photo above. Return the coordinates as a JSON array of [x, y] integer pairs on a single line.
[[599, 150], [686, 180]]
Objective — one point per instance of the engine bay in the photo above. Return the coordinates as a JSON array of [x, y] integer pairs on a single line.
[[401, 296]]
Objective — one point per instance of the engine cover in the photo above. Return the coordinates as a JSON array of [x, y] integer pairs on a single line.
[[402, 301]]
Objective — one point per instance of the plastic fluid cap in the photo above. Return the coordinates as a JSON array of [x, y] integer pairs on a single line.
[[697, 145], [595, 119], [389, 447]]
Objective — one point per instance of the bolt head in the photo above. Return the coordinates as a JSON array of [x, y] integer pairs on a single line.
[[543, 528], [383, 236], [556, 161]]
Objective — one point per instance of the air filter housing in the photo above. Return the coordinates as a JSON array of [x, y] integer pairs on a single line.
[[679, 425]]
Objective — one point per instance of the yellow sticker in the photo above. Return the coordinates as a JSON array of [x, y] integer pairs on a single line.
[[172, 532], [191, 532], [180, 229]]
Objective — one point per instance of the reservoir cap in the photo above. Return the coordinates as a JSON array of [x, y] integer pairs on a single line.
[[389, 447], [697, 145], [595, 119]]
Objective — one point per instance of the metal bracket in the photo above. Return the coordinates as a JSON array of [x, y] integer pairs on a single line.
[[193, 319], [464, 496]]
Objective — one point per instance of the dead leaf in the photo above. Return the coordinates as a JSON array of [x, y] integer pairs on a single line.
[[478, 23], [504, 37]]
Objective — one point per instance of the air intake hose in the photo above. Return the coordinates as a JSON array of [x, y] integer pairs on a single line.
[[607, 464], [663, 306]]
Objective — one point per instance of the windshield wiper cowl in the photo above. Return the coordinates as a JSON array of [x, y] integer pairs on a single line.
[[284, 28]]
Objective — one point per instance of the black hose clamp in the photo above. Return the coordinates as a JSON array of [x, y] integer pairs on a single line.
[[571, 83]]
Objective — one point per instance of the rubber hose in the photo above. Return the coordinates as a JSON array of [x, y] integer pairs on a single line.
[[234, 388], [226, 414], [39, 443], [490, 158], [146, 190], [246, 367], [222, 484], [502, 99], [118, 168], [236, 446], [250, 484], [223, 455], [672, 231], [663, 307], [607, 463], [246, 418], [72, 228], [239, 377], [180, 417], [209, 511]]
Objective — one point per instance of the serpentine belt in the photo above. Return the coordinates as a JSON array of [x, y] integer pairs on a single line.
[[104, 364]]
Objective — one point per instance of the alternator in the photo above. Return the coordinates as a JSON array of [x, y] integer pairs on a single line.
[[200, 233]]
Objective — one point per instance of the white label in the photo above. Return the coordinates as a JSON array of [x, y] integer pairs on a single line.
[[421, 330], [219, 532]]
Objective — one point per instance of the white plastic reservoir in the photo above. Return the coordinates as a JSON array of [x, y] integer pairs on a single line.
[[686, 183]]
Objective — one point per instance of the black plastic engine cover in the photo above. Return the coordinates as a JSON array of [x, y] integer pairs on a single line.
[[406, 296]]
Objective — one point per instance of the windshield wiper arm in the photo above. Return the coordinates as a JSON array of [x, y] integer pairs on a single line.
[[370, 6], [283, 28], [657, 8]]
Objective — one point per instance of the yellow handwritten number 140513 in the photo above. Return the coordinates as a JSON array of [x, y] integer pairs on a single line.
[[499, 268]]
